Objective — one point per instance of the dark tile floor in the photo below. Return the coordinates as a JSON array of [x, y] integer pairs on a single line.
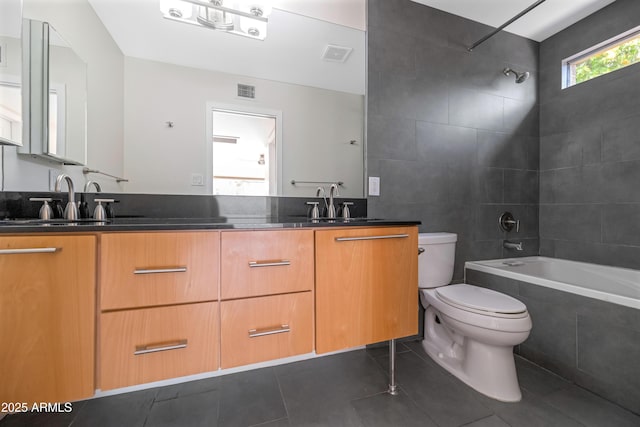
[[343, 390]]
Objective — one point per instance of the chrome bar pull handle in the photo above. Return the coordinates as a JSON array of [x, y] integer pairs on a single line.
[[387, 236], [254, 264], [154, 348], [160, 270], [28, 251], [254, 333]]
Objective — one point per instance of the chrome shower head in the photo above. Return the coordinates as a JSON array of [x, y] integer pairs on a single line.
[[520, 77]]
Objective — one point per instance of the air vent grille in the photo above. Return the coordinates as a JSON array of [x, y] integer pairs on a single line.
[[246, 91], [334, 53], [226, 139]]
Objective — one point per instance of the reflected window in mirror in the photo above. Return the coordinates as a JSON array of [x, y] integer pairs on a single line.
[[244, 152], [56, 122], [10, 110]]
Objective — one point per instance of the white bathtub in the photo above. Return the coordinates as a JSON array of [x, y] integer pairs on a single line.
[[612, 284]]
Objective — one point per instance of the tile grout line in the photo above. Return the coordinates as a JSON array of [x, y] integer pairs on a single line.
[[284, 402]]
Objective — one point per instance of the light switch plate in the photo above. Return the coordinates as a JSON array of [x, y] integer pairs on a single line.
[[374, 185], [197, 179]]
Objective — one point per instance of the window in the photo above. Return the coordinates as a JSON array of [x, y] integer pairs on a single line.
[[611, 55]]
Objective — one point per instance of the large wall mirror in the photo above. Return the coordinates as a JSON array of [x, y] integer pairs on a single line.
[[152, 81]]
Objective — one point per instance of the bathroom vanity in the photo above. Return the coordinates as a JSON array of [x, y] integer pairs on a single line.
[[109, 306]]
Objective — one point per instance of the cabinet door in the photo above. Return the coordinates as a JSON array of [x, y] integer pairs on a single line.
[[152, 344], [47, 312], [366, 286], [256, 263], [161, 268]]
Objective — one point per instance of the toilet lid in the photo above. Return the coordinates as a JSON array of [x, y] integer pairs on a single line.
[[476, 298]]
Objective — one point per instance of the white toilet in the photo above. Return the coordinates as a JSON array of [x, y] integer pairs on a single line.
[[468, 330]]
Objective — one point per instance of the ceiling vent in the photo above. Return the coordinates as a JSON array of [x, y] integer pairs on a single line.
[[334, 53], [226, 139], [246, 91]]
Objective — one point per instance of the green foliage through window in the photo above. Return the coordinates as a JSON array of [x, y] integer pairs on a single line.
[[605, 60]]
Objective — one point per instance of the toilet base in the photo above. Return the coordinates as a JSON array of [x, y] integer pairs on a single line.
[[488, 369]]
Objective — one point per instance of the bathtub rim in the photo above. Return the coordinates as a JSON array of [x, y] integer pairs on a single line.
[[566, 287]]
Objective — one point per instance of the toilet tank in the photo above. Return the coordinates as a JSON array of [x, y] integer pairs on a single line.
[[435, 264]]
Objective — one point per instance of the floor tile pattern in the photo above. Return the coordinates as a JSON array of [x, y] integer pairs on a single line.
[[347, 389]]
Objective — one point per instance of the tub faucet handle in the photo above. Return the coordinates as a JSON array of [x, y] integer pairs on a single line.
[[507, 222]]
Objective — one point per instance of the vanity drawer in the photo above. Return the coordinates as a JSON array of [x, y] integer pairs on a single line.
[[162, 268], [258, 263], [152, 344], [266, 328]]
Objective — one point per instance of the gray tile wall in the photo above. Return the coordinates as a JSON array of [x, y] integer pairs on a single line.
[[590, 149], [594, 343], [454, 141]]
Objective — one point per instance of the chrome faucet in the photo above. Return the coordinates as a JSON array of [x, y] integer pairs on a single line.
[[512, 245], [321, 193], [71, 210], [331, 210], [95, 184]]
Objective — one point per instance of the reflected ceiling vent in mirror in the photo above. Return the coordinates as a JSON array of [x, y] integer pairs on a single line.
[[226, 139], [334, 53], [246, 91]]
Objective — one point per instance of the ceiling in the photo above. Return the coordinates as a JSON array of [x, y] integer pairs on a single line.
[[542, 22], [292, 51]]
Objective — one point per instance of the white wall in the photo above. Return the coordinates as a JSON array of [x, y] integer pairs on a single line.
[[317, 127], [76, 21]]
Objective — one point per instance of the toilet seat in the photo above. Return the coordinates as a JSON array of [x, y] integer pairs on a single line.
[[482, 301]]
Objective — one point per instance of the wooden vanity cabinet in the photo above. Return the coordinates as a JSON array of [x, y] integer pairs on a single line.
[[159, 302], [366, 286], [267, 295], [47, 312]]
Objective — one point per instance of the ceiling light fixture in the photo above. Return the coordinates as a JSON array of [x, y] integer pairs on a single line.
[[247, 18]]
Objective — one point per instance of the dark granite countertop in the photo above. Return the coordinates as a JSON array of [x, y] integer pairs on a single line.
[[216, 223]]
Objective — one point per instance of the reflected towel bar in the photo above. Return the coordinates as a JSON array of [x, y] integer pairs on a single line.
[[117, 178], [294, 182]]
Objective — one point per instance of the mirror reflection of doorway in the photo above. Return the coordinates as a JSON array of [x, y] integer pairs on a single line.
[[244, 153]]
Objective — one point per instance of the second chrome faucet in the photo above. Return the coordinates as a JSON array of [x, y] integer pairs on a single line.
[[71, 210]]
